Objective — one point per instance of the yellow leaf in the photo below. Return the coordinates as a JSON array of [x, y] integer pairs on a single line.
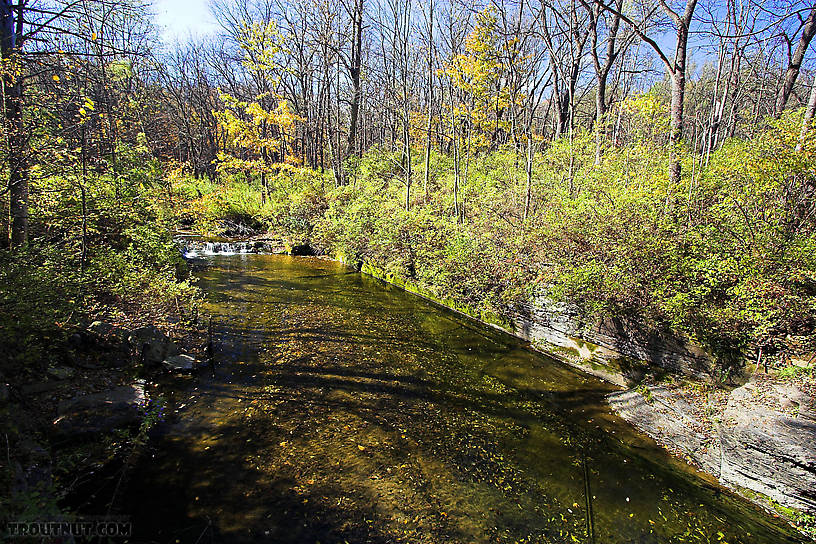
[[93, 36], [361, 448], [55, 77]]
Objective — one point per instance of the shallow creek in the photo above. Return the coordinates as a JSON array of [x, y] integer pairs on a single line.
[[342, 409]]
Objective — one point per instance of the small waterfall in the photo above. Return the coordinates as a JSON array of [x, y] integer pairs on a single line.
[[193, 249]]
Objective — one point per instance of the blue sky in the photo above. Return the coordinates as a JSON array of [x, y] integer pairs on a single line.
[[182, 18]]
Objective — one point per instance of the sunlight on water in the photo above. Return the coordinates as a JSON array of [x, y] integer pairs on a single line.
[[343, 409]]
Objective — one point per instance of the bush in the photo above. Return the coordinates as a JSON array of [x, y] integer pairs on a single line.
[[726, 258]]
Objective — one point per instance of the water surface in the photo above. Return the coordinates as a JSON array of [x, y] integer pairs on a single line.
[[342, 409]]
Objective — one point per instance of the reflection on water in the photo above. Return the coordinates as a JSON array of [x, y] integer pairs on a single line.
[[345, 410]]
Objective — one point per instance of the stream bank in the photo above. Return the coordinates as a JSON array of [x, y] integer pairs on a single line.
[[72, 431]]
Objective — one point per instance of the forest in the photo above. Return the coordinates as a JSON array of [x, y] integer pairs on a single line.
[[653, 162], [640, 160]]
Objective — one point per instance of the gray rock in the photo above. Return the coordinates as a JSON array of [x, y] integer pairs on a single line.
[[769, 445], [766, 442], [32, 468], [114, 361], [101, 412], [623, 350], [77, 340], [182, 362], [671, 421], [41, 387], [152, 344]]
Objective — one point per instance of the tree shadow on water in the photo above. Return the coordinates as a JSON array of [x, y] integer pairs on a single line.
[[217, 493]]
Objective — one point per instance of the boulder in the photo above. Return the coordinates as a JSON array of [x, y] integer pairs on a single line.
[[101, 412], [769, 444], [105, 330], [179, 363], [31, 469], [79, 340], [152, 344], [765, 441]]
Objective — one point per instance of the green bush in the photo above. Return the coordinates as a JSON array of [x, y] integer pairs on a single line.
[[726, 258]]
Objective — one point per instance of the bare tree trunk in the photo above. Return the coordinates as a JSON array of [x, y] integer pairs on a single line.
[[455, 168], [808, 31], [408, 168], [676, 69], [528, 197], [602, 70], [430, 101], [83, 200], [678, 78], [11, 36], [809, 112], [354, 72]]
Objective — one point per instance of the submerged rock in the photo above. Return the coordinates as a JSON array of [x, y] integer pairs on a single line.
[[302, 249], [60, 372], [80, 340], [31, 470], [101, 412], [181, 362], [152, 344], [671, 420]]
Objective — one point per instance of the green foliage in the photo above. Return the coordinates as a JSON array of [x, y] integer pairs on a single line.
[[114, 259], [794, 372], [726, 258]]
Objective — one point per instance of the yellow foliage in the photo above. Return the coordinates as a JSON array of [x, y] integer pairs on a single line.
[[263, 133], [477, 74], [261, 43]]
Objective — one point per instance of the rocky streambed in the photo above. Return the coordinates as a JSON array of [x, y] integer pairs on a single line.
[[66, 428]]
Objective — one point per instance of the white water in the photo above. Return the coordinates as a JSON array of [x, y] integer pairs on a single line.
[[192, 249]]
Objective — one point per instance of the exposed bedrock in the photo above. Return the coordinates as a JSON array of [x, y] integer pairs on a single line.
[[764, 441]]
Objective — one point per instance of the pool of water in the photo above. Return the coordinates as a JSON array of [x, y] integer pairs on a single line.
[[342, 409]]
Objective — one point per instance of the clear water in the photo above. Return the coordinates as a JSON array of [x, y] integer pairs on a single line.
[[346, 410]]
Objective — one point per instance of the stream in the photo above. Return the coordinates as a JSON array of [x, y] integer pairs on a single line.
[[342, 409]]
